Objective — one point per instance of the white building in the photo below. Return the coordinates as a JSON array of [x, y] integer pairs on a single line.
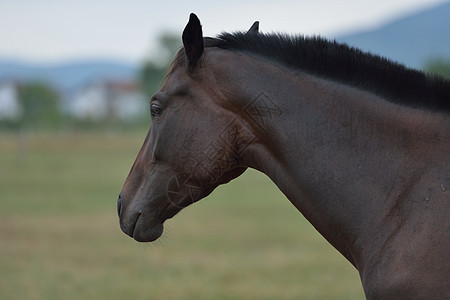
[[108, 99], [91, 102], [10, 107]]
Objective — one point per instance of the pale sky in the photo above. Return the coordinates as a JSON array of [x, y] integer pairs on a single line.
[[60, 30]]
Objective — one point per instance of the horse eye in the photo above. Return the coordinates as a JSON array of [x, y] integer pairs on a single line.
[[155, 110]]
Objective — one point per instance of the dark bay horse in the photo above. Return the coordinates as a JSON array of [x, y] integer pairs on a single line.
[[360, 146]]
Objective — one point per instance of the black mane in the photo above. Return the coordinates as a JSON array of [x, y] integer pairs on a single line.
[[339, 62]]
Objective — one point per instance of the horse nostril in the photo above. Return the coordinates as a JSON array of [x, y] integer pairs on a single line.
[[119, 205]]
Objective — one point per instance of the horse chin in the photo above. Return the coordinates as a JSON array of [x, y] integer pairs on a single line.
[[145, 234]]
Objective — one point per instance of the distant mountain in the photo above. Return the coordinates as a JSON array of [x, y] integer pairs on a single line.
[[411, 40], [67, 76]]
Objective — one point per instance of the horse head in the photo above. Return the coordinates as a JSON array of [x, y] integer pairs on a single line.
[[193, 145]]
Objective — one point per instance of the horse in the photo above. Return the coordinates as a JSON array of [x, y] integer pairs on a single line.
[[359, 144]]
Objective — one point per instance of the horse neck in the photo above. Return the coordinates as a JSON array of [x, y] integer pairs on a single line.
[[331, 149]]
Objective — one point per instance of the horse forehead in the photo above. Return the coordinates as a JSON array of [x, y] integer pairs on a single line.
[[176, 75]]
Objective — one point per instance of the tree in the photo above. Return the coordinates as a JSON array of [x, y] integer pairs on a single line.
[[152, 72], [169, 44], [439, 66], [151, 76], [41, 106]]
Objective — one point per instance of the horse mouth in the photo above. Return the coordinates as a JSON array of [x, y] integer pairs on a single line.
[[145, 234], [142, 223], [141, 229]]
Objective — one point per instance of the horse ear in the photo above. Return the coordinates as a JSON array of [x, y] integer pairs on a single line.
[[193, 40], [254, 28]]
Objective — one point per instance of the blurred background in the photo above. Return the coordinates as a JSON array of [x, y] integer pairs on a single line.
[[75, 79]]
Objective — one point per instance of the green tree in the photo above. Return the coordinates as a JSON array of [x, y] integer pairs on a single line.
[[439, 66], [41, 106], [169, 44], [152, 71], [151, 76]]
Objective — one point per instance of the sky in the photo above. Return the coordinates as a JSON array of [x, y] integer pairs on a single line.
[[55, 31]]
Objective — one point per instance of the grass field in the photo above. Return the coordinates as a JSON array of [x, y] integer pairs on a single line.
[[60, 238]]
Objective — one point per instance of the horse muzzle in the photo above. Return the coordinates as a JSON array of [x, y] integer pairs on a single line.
[[137, 222]]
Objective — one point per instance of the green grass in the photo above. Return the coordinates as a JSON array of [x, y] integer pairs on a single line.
[[60, 238]]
